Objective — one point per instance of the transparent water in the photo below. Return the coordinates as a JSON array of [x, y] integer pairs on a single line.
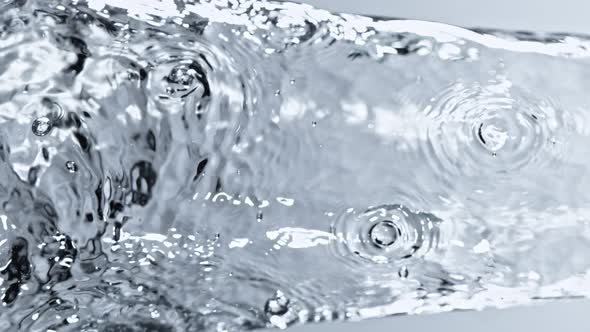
[[233, 165]]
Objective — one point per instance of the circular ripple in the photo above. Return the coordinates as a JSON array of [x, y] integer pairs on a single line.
[[385, 234], [487, 129]]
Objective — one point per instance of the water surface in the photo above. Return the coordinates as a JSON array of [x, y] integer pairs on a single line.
[[233, 165]]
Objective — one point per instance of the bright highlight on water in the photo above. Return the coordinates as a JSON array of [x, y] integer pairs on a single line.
[[235, 165]]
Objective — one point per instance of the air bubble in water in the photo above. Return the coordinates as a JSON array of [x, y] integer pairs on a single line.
[[384, 233], [277, 305], [41, 126], [71, 166], [182, 80], [259, 216]]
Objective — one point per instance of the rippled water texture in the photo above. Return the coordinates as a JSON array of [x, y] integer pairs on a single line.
[[233, 165]]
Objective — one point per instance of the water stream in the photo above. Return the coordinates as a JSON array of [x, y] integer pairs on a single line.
[[234, 165]]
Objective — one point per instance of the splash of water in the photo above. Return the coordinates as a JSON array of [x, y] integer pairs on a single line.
[[233, 165]]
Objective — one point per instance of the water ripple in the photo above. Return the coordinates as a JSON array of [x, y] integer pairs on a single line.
[[385, 234], [476, 130]]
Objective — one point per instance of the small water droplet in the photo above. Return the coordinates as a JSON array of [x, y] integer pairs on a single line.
[[384, 233], [259, 216], [292, 82], [314, 123], [403, 272], [71, 166], [41, 126], [278, 305], [277, 93]]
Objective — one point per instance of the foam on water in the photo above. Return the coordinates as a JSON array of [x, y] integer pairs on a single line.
[[233, 165]]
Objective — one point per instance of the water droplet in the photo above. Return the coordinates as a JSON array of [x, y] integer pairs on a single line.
[[277, 93], [277, 305], [384, 233], [403, 272], [71, 166], [259, 216], [41, 126], [314, 123]]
